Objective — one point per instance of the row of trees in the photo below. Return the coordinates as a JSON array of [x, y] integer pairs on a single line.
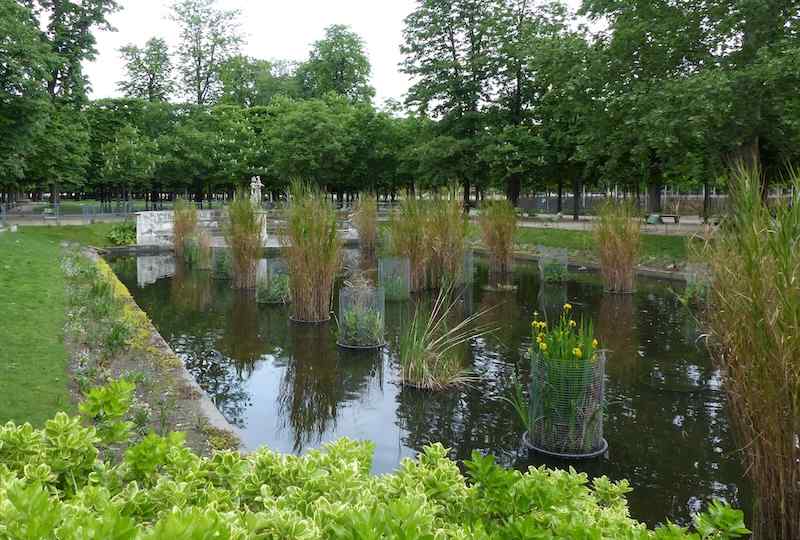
[[508, 94]]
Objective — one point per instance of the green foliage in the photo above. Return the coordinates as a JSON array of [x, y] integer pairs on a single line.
[[554, 272], [148, 71], [106, 406], [244, 233], [273, 290], [54, 484], [361, 327], [122, 234]]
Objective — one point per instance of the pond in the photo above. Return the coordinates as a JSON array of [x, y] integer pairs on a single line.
[[288, 386]]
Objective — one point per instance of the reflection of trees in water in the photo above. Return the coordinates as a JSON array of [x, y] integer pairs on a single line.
[[318, 380], [216, 373], [190, 291], [474, 417], [242, 340], [615, 328]]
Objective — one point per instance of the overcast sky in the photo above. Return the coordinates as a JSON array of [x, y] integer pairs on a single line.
[[272, 30]]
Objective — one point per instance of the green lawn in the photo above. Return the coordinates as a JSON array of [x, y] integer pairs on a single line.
[[33, 380], [654, 247]]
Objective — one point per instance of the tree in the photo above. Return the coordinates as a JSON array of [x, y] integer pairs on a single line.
[[249, 82], [209, 37], [448, 47], [129, 160], [68, 31], [148, 71], [338, 64], [24, 64]]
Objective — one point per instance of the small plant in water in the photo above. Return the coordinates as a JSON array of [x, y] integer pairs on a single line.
[[554, 272], [430, 349], [365, 219], [273, 290], [565, 414], [221, 266], [360, 318], [184, 225]]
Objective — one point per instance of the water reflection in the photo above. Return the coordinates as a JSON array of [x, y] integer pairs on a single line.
[[289, 387]]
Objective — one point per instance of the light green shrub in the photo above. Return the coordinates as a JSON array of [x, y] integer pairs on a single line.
[[54, 484]]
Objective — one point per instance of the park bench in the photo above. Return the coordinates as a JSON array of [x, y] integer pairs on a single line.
[[48, 214], [674, 217], [657, 219]]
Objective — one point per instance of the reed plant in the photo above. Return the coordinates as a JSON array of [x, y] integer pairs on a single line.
[[754, 322], [617, 235], [430, 348], [184, 224], [448, 230], [409, 237], [365, 219], [312, 249], [498, 223], [204, 253], [244, 233]]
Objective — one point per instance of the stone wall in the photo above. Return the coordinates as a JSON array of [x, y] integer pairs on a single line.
[[155, 228]]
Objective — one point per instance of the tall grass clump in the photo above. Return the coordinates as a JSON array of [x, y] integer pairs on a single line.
[[448, 229], [184, 224], [312, 250], [430, 348], [617, 236], [244, 233], [409, 237], [365, 219], [204, 253], [754, 321], [498, 222]]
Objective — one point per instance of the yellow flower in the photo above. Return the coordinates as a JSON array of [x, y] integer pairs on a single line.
[[577, 352], [572, 323], [594, 343], [539, 338], [543, 346], [535, 314], [567, 307]]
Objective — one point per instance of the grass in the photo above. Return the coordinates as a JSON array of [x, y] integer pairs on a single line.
[[409, 238], [33, 386], [184, 224], [655, 248], [365, 219], [618, 239], [312, 250], [498, 223], [449, 232], [754, 319], [244, 233]]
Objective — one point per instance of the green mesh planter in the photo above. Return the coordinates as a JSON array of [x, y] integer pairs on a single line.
[[553, 265], [272, 284], [566, 407], [361, 318], [394, 276], [221, 264]]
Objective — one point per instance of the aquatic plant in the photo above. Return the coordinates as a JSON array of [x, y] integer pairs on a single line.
[[361, 318], [221, 264], [122, 234], [56, 481], [409, 237], [566, 393], [394, 276], [204, 253], [244, 233], [617, 235], [430, 349], [365, 219], [184, 224], [273, 289], [753, 317], [312, 249], [447, 242], [498, 223], [554, 272]]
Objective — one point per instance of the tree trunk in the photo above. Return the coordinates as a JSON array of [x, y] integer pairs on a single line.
[[576, 198], [654, 197], [513, 186], [466, 195], [560, 200]]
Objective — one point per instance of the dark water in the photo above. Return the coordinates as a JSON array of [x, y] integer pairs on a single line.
[[289, 387]]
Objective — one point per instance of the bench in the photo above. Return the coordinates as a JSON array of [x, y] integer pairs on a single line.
[[674, 217], [657, 219]]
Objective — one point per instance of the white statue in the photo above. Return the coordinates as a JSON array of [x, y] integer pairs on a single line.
[[255, 189]]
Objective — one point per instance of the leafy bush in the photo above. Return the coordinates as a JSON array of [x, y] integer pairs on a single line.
[[361, 328], [55, 484], [122, 234], [273, 290]]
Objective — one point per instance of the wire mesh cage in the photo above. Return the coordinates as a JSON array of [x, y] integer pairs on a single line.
[[551, 300], [394, 276], [220, 263], [362, 313], [553, 264], [272, 282], [566, 406]]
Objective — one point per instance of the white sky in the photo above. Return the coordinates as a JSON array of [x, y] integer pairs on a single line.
[[272, 30]]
